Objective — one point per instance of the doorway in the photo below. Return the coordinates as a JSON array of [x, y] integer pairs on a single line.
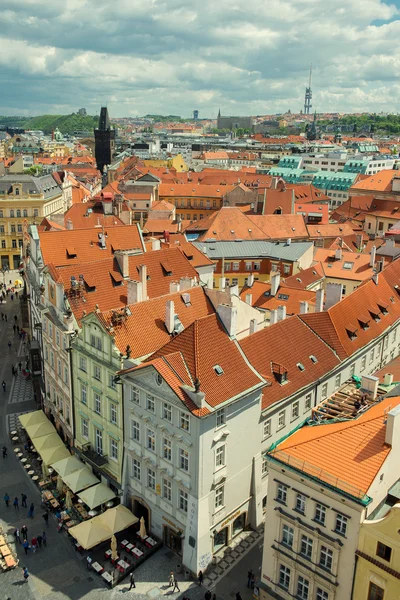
[[140, 510], [172, 539]]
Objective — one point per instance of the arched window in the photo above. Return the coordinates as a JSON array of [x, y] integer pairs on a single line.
[[17, 191], [25, 213], [18, 214], [12, 214]]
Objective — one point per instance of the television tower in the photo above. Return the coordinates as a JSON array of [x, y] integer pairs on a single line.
[[308, 96]]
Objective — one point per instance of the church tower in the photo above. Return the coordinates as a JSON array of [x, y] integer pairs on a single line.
[[104, 137]]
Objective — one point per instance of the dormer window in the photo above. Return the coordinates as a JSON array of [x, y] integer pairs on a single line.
[[352, 333], [383, 309], [300, 366], [218, 369], [280, 373], [364, 324], [313, 359], [375, 316]]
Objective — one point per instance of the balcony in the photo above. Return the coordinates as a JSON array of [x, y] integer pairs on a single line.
[[91, 455]]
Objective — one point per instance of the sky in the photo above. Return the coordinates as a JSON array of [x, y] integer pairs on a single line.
[[170, 57]]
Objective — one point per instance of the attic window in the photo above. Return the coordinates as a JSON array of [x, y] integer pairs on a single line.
[[166, 267], [218, 369], [313, 358], [352, 334], [375, 316], [364, 324], [348, 265], [283, 297], [280, 373], [300, 366], [71, 252], [383, 309]]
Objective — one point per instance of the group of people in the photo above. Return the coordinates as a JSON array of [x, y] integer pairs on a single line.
[[24, 497]]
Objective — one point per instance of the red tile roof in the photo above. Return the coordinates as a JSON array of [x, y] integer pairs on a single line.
[[331, 230], [380, 182], [285, 296], [193, 190], [82, 219], [356, 263], [281, 227], [305, 279]]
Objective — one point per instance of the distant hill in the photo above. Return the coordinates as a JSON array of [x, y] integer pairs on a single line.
[[47, 123]]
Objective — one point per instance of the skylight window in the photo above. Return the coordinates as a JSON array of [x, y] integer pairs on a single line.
[[348, 265], [283, 297], [313, 359], [218, 369], [352, 334], [300, 366]]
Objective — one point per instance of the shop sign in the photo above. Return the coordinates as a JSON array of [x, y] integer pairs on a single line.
[[229, 519]]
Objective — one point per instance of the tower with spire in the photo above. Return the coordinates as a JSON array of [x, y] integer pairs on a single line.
[[308, 96], [104, 137]]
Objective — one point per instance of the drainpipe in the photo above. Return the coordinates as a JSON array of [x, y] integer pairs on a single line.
[[354, 577]]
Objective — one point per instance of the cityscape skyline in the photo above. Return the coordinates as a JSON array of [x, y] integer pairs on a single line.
[[251, 60]]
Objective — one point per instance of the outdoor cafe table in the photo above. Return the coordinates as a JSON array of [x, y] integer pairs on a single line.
[[150, 541], [107, 577], [124, 543], [137, 552], [5, 550], [2, 540], [124, 565], [97, 567], [129, 547]]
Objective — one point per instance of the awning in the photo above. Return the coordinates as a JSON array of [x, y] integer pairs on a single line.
[[96, 495], [79, 480], [67, 466], [48, 441], [118, 518], [40, 429], [32, 418], [52, 455], [90, 533]]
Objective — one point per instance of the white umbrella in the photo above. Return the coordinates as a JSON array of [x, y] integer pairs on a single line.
[[142, 530]]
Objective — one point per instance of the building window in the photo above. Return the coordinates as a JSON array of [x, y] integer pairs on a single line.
[[99, 441], [302, 587], [287, 535], [167, 449], [284, 577], [183, 501], [13, 230], [321, 594], [220, 416], [150, 403], [52, 358], [11, 214], [25, 212], [375, 592], [57, 337], [281, 419], [220, 456], [306, 546], [324, 391], [325, 558], [184, 421], [35, 212], [59, 371], [235, 266], [301, 503], [352, 370], [383, 551], [167, 412], [113, 413], [82, 362], [183, 459], [249, 266], [281, 494], [151, 440], [97, 404], [111, 382], [267, 428], [14, 244], [135, 431], [264, 467], [363, 363], [136, 469], [151, 479], [83, 393], [256, 266], [286, 269], [167, 490], [372, 356], [320, 514], [96, 372], [135, 396], [85, 428], [95, 342], [113, 449], [219, 497], [337, 381], [307, 403], [341, 524], [295, 410], [3, 243], [66, 375]]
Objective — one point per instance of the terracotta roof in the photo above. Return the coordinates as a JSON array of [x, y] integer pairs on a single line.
[[288, 343], [205, 345], [162, 205], [193, 190], [82, 245], [313, 208], [350, 452], [332, 230], [144, 329], [352, 265], [305, 279], [82, 219], [49, 225], [307, 193], [194, 255], [281, 226], [285, 296], [389, 207], [380, 182]]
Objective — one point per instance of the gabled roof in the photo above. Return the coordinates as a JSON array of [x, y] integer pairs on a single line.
[[89, 214], [288, 343], [205, 345], [352, 265], [279, 227], [305, 279], [289, 297], [380, 182], [347, 455], [330, 230], [193, 190]]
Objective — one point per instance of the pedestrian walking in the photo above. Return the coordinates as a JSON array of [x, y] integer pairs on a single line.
[[4, 451], [5, 317], [238, 596], [12, 370], [17, 535], [249, 576], [15, 318], [253, 581], [46, 518], [20, 365], [17, 328], [30, 511], [201, 577], [14, 327], [214, 597], [44, 536], [24, 498], [15, 503], [176, 586], [39, 540], [2, 316], [171, 579], [26, 573], [207, 595], [4, 386], [34, 544], [25, 545], [12, 297], [7, 499], [9, 345], [24, 531], [132, 582]]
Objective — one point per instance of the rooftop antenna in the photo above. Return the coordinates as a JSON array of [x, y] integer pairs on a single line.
[[308, 95]]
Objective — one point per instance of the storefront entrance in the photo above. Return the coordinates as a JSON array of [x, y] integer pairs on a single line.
[[172, 539], [140, 510], [220, 539], [238, 524]]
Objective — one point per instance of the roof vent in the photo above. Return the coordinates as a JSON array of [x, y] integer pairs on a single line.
[[300, 366], [313, 358], [218, 369]]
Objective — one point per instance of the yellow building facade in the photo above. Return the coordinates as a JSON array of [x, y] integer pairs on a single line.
[[377, 575], [176, 162]]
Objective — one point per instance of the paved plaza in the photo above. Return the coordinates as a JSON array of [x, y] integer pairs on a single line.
[[58, 572]]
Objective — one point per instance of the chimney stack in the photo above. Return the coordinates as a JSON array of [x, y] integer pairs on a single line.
[[303, 307], [281, 312], [273, 317], [169, 315], [249, 299], [143, 280], [319, 300], [123, 262], [155, 245], [250, 280], [338, 254], [174, 287], [228, 316], [69, 224], [253, 326], [359, 241], [333, 294], [134, 292], [392, 426], [222, 284], [274, 279], [288, 241], [186, 283], [373, 256]]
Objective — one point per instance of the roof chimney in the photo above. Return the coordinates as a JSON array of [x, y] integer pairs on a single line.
[[303, 307], [249, 299], [253, 326], [123, 262], [359, 241], [250, 280], [228, 316], [275, 279], [134, 292], [333, 294], [234, 290], [281, 313], [338, 254], [288, 241], [143, 280], [373, 256], [174, 287], [392, 426], [155, 244], [319, 300], [375, 278], [169, 315], [273, 317], [222, 283], [186, 283], [69, 224]]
